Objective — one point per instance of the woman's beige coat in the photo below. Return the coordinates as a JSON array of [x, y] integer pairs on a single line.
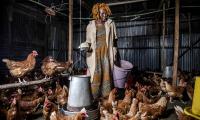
[[91, 41]]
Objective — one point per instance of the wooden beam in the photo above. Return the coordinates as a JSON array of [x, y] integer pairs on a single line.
[[70, 43], [15, 85], [125, 2], [163, 53], [176, 43]]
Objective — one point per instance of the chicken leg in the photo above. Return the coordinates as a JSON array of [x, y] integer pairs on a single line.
[[24, 81], [20, 80]]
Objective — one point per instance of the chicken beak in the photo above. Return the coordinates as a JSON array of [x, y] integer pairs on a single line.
[[86, 115]]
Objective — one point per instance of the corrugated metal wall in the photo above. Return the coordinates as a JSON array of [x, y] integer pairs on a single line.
[[140, 42], [27, 32]]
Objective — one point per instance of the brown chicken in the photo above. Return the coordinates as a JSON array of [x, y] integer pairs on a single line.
[[174, 91], [49, 66], [108, 116], [62, 66], [107, 103], [181, 115], [133, 109], [58, 88], [137, 116], [190, 91], [154, 110], [28, 105], [57, 115], [162, 85], [124, 105], [13, 112], [62, 96], [48, 108], [20, 68], [38, 92]]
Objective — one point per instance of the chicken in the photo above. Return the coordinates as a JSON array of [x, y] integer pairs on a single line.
[[133, 109], [107, 103], [156, 79], [62, 66], [48, 108], [124, 104], [136, 116], [162, 85], [62, 96], [190, 91], [49, 66], [142, 90], [173, 92], [58, 88], [154, 110], [57, 115], [181, 115], [39, 92], [28, 105], [51, 95], [20, 68], [13, 112], [107, 116]]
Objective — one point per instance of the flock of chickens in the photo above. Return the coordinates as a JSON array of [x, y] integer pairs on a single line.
[[147, 99], [144, 99], [45, 101], [50, 66]]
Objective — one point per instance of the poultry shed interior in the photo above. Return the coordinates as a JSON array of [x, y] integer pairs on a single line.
[[152, 70]]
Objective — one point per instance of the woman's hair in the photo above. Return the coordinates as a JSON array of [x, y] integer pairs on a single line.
[[97, 7]]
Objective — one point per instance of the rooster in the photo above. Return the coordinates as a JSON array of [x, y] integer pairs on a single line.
[[154, 110], [20, 68], [56, 115]]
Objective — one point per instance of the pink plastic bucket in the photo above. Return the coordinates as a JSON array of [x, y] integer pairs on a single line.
[[120, 73]]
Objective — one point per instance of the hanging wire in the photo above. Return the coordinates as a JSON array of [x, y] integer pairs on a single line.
[[80, 32]]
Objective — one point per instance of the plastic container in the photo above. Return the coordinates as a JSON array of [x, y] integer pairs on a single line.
[[120, 73], [194, 111]]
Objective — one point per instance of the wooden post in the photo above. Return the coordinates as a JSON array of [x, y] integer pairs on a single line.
[[176, 43], [70, 43], [163, 53]]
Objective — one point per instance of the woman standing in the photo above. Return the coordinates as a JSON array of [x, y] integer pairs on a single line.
[[101, 39]]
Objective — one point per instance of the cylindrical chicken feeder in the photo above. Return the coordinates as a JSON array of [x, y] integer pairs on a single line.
[[168, 72], [80, 94]]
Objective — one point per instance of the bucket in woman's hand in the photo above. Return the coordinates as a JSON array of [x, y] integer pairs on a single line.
[[120, 73]]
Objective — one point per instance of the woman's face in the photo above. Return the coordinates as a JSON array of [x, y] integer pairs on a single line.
[[102, 14]]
